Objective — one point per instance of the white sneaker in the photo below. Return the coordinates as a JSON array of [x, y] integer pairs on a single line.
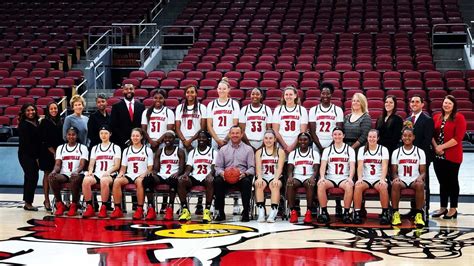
[[272, 216], [213, 210], [236, 210], [261, 215]]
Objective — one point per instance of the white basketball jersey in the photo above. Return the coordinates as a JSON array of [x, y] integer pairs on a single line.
[[255, 120], [338, 161], [372, 160], [169, 164], [201, 162], [71, 157], [408, 162], [137, 161], [159, 121], [303, 163], [269, 164], [104, 157], [325, 119], [290, 121], [190, 121], [223, 115]]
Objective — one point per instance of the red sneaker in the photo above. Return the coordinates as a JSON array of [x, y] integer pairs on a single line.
[[150, 214], [89, 212], [103, 212], [307, 217], [293, 217], [72, 210], [60, 208], [138, 214], [117, 213], [168, 214]]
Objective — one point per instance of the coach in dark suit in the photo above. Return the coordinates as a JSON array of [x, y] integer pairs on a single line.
[[125, 116], [423, 127]]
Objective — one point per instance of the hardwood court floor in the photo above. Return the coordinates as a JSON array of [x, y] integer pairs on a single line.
[[37, 238]]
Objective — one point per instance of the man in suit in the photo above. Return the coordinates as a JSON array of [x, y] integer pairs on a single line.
[[125, 116], [423, 127]]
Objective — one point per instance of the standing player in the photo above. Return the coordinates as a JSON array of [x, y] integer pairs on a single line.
[[157, 119], [324, 117], [372, 161], [199, 172], [289, 119], [269, 162], [168, 165], [71, 159], [254, 119], [303, 166], [337, 170], [105, 160], [409, 171], [190, 119], [137, 163], [222, 113]]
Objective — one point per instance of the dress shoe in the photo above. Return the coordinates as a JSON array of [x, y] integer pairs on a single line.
[[31, 208], [439, 214], [449, 217]]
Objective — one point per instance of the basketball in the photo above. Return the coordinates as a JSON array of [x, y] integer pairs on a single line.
[[232, 175]]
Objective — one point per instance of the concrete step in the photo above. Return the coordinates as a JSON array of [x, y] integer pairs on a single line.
[[450, 65]]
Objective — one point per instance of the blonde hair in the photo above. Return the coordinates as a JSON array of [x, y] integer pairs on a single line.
[[225, 81], [297, 100], [363, 102], [77, 98]]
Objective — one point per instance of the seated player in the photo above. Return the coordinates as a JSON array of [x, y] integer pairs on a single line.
[[199, 172], [372, 170], [303, 166], [409, 171], [103, 166], [168, 165], [137, 163], [337, 170], [71, 159]]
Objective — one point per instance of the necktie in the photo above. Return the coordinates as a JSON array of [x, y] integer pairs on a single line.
[[413, 119], [130, 111]]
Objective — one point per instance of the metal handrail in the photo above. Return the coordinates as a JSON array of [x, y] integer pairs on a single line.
[[153, 17], [96, 43], [154, 42], [471, 40], [63, 103]]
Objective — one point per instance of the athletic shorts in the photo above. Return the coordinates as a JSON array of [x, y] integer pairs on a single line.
[[371, 183], [337, 182], [256, 143]]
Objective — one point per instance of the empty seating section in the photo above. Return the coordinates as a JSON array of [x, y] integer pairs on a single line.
[[40, 40], [375, 47]]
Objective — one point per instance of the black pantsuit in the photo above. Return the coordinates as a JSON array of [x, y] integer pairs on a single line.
[[28, 155], [221, 187], [447, 173]]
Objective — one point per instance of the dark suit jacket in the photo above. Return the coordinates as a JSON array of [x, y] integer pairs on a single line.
[[423, 129], [120, 121]]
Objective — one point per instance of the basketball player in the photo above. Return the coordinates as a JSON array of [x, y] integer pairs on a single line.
[[254, 119], [71, 159], [103, 165], [337, 170], [223, 113], [156, 120], [303, 166], [289, 119], [199, 172], [190, 119], [324, 117], [168, 165], [409, 171], [269, 162], [137, 163], [372, 167]]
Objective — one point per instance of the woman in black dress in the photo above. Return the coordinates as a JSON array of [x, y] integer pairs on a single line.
[[390, 125], [28, 152], [51, 137]]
